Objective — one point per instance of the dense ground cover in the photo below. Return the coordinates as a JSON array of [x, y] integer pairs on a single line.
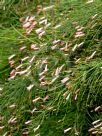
[[52, 80]]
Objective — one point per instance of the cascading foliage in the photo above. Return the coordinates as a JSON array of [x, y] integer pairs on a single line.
[[55, 81]]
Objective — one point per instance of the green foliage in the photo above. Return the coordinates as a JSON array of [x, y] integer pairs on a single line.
[[52, 108]]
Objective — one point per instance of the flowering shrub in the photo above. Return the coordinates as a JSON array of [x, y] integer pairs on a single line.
[[55, 79]]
